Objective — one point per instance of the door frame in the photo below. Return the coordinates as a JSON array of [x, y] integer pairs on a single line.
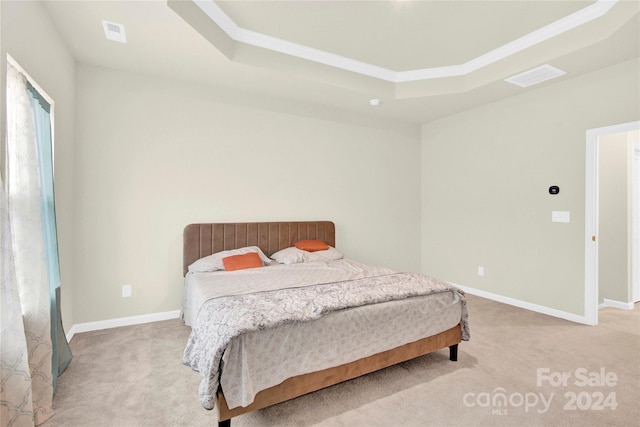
[[591, 216], [635, 222]]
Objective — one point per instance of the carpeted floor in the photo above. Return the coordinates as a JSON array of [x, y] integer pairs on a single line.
[[519, 369]]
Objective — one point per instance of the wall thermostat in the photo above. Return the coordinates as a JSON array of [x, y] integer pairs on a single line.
[[554, 189]]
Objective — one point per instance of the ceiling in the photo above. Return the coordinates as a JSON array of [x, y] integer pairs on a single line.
[[348, 52]]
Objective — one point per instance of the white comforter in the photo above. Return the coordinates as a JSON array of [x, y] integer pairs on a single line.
[[200, 287], [258, 360]]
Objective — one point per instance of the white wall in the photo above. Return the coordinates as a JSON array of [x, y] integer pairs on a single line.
[[485, 176], [28, 35], [154, 155]]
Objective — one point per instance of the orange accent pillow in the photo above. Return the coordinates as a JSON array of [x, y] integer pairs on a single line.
[[311, 245], [241, 262]]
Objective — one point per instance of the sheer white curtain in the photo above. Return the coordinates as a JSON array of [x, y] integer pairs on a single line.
[[26, 384]]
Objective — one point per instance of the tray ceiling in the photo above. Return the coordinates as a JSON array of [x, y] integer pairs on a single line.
[[176, 39]]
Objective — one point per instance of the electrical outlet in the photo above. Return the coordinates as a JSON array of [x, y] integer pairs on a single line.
[[126, 291], [480, 271]]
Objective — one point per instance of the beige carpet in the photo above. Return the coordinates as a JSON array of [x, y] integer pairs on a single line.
[[133, 376]]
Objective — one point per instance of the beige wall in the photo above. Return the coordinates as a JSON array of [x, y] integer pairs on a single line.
[[613, 221], [151, 155], [28, 35], [485, 175], [154, 155]]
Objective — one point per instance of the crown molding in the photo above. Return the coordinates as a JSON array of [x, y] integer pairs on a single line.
[[253, 38]]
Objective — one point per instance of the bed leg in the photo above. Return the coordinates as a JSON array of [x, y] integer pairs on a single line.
[[453, 353], [225, 423]]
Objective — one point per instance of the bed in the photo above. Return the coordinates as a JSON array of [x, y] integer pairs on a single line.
[[255, 343]]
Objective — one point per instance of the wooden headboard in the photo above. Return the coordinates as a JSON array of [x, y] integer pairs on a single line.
[[200, 240]]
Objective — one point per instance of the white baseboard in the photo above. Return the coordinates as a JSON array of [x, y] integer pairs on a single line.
[[167, 315], [616, 304], [122, 321], [526, 305]]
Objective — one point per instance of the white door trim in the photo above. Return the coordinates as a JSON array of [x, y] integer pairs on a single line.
[[635, 222], [591, 217]]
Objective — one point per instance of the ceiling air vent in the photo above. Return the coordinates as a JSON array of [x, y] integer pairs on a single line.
[[113, 31], [535, 76]]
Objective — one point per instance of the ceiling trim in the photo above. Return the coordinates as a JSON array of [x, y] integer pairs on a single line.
[[239, 34]]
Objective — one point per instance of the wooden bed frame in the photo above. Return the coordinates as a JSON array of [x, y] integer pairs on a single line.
[[200, 240]]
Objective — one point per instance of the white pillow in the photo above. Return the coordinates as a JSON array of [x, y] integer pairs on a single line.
[[294, 255], [290, 255], [214, 262]]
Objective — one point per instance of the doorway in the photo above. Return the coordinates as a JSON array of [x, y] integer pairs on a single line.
[[591, 216]]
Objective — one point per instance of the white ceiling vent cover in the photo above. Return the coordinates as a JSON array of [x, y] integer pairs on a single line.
[[113, 31], [535, 76]]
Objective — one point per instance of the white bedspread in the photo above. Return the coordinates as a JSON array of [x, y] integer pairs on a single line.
[[200, 287], [258, 360]]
